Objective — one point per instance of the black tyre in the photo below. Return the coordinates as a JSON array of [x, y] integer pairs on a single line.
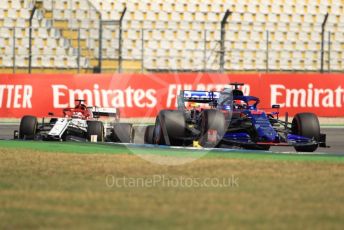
[[307, 125], [213, 127], [95, 128], [123, 133], [169, 128], [28, 127], [149, 134]]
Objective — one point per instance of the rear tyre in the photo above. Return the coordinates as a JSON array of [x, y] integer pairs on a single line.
[[123, 133], [95, 128], [306, 125], [149, 134], [169, 128], [28, 128], [213, 127]]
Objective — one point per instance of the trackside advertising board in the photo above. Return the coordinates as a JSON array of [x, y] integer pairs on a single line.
[[143, 95]]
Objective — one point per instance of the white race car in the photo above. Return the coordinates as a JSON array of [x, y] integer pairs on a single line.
[[79, 124]]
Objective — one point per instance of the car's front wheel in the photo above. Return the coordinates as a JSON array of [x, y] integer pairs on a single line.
[[306, 125], [28, 127]]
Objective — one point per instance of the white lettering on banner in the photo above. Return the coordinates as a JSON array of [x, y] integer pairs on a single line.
[[57, 93], [307, 97], [16, 96], [104, 98]]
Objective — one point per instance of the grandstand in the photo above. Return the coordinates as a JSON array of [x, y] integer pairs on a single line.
[[178, 35]]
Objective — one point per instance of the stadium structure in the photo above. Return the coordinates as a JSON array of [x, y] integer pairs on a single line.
[[90, 36]]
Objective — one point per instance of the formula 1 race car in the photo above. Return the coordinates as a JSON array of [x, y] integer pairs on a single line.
[[228, 118], [77, 124]]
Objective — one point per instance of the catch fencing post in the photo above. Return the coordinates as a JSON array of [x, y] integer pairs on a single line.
[[267, 51], [120, 59], [37, 5], [205, 52], [329, 52], [14, 50], [323, 42], [142, 50], [79, 53], [222, 42]]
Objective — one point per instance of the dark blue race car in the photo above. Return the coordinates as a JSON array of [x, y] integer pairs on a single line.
[[230, 119]]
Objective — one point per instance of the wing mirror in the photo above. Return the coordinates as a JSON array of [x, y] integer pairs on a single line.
[[276, 106]]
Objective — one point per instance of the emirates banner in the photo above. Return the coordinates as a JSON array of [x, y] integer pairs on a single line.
[[143, 95]]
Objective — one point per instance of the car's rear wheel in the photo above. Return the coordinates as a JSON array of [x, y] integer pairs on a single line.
[[213, 127], [306, 125], [28, 127], [149, 134], [169, 128], [123, 133], [95, 128]]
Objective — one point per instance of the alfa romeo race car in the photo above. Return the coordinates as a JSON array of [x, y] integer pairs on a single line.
[[77, 124], [228, 118]]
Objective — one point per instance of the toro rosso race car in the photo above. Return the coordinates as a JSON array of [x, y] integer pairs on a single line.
[[79, 124], [228, 118]]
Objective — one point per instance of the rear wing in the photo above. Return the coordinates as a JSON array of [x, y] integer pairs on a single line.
[[221, 100], [104, 112], [199, 96]]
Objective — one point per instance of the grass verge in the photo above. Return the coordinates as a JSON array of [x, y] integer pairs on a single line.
[[52, 185], [94, 148]]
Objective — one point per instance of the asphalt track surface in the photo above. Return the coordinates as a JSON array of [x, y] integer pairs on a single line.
[[335, 138]]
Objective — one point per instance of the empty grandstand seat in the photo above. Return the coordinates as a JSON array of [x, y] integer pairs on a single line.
[[295, 28], [4, 5], [7, 61]]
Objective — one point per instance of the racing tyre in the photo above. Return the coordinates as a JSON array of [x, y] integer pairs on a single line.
[[95, 128], [169, 128], [307, 125], [213, 127], [123, 133], [149, 134], [28, 127]]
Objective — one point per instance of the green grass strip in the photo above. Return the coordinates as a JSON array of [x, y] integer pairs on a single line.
[[102, 148]]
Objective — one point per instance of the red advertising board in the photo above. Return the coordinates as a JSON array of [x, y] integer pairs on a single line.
[[139, 95]]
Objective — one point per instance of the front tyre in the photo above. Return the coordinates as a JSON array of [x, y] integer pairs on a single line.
[[306, 125], [28, 128]]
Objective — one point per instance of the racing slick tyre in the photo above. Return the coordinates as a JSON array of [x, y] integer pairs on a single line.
[[213, 127], [169, 128], [123, 133], [307, 125], [28, 127], [95, 128], [149, 133]]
